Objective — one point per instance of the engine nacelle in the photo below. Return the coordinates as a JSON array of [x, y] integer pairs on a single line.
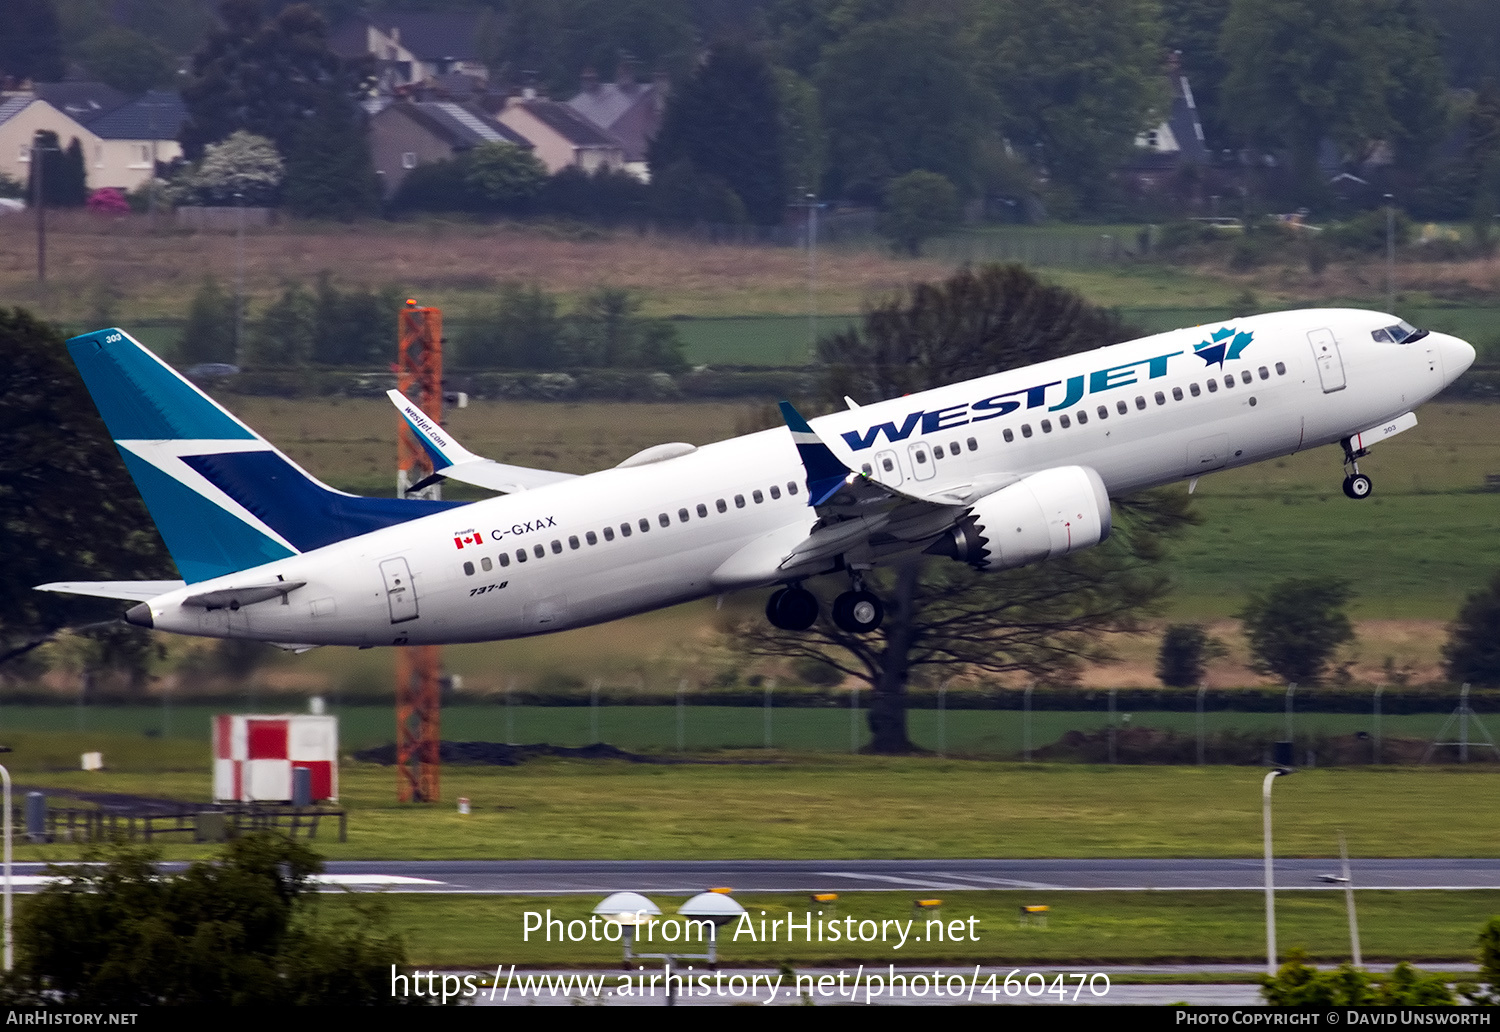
[[1046, 515]]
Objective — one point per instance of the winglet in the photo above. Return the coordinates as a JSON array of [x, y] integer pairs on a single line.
[[443, 450], [825, 473]]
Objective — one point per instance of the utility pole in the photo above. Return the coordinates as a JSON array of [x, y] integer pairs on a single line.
[[39, 202]]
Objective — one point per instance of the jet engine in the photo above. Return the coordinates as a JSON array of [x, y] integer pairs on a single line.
[[1043, 516]]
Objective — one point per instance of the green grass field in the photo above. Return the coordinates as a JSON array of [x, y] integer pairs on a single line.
[[654, 729], [750, 803], [482, 932]]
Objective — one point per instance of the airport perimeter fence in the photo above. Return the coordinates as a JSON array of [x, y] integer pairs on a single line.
[[1326, 727]]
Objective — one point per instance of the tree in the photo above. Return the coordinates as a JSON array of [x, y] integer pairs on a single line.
[[1080, 81], [607, 332], [287, 329], [804, 144], [243, 929], [918, 205], [353, 327], [67, 504], [1296, 984], [1299, 72], [126, 60], [243, 168], [209, 333], [1191, 30], [1185, 651], [64, 179], [1042, 621], [725, 122], [31, 47], [329, 171], [503, 175], [521, 330], [1295, 628], [901, 94], [1472, 652]]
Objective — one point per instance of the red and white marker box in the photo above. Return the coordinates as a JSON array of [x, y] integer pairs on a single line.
[[254, 756]]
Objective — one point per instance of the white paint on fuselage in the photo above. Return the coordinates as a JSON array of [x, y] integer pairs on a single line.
[[344, 601]]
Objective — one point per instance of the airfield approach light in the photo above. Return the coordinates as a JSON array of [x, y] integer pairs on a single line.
[[714, 905], [629, 910]]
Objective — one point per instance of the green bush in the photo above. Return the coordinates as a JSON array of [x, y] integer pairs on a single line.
[[1367, 232], [1297, 984]]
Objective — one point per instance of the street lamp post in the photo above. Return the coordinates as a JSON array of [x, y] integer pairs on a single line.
[[1270, 877]]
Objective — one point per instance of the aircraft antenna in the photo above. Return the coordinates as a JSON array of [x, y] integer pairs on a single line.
[[419, 668]]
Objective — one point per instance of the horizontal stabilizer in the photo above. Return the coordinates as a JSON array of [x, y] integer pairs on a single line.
[[455, 462], [248, 595], [129, 591]]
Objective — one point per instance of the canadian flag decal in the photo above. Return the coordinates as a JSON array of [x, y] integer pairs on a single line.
[[468, 538]]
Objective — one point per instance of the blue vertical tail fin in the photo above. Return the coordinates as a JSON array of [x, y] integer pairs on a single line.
[[223, 498]]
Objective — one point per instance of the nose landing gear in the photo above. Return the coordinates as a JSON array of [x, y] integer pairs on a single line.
[[1356, 484]]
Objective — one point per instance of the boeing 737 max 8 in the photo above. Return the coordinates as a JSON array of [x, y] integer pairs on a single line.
[[999, 471]]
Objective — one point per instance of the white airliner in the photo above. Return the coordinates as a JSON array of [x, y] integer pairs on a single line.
[[999, 471]]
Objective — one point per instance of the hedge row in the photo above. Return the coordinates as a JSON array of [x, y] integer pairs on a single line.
[[577, 385]]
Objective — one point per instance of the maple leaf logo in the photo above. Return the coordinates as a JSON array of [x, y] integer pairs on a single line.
[[1223, 344]]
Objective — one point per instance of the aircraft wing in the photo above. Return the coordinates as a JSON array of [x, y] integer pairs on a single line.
[[453, 461], [855, 516], [129, 591]]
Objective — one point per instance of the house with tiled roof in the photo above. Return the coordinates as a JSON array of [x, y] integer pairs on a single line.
[[630, 111], [133, 137], [560, 136], [22, 116], [122, 139], [408, 133], [412, 46]]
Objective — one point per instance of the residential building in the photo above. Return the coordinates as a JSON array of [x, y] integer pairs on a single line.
[[412, 46], [560, 136], [630, 111], [407, 133]]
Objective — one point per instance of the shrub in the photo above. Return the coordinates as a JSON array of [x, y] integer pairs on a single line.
[[1295, 628]]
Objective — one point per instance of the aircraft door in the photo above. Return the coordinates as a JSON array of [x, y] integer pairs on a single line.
[[1330, 363], [400, 592], [922, 465], [888, 468]]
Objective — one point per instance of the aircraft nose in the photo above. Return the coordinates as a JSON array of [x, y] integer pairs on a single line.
[[1456, 355]]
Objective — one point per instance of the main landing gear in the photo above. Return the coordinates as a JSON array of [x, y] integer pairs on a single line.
[[1356, 484], [856, 611]]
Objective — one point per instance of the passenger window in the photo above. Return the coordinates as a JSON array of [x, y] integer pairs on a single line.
[[1193, 390], [887, 463], [1245, 376], [1065, 421], [556, 547], [624, 530], [1009, 436], [609, 533], [702, 510], [504, 558], [591, 538], [486, 565], [520, 555], [573, 541], [1229, 381], [937, 451], [1161, 399], [866, 470], [1121, 407], [539, 551], [739, 501], [1265, 374], [1176, 393], [468, 569], [791, 487], [682, 517], [1140, 402], [1046, 426], [758, 497], [775, 492], [1025, 429], [1103, 412], [1083, 417], [645, 524], [973, 444], [1213, 386], [1280, 368]]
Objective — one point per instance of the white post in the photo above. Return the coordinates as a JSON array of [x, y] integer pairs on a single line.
[[10, 940], [1270, 877]]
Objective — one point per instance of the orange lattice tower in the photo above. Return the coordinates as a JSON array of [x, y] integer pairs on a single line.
[[419, 376]]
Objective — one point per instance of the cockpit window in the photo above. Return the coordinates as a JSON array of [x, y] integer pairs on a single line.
[[1402, 333]]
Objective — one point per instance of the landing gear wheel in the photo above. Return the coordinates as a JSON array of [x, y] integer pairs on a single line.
[[1357, 486], [792, 609], [857, 612]]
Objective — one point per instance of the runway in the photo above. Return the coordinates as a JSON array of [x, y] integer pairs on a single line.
[[559, 877]]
